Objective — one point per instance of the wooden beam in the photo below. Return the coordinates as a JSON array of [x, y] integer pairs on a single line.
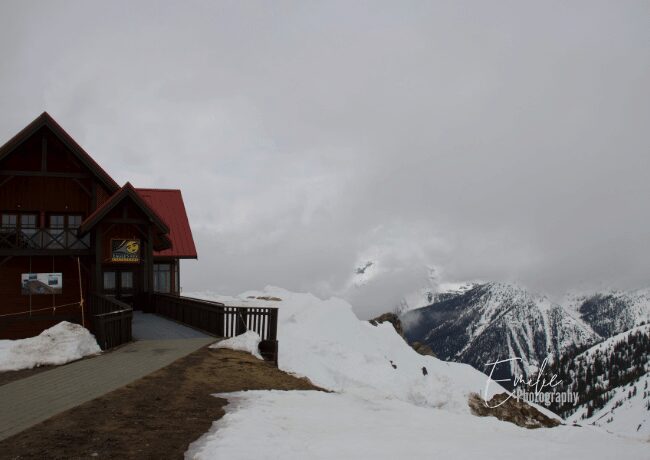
[[5, 180], [148, 263], [141, 232], [99, 246], [64, 175], [93, 197], [83, 187], [126, 221], [44, 154], [44, 252]]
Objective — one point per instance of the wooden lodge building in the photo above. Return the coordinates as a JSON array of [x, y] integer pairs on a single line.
[[68, 231]]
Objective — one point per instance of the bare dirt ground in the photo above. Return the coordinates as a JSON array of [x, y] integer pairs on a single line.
[[156, 417]]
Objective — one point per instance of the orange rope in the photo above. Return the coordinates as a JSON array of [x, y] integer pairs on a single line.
[[41, 309]]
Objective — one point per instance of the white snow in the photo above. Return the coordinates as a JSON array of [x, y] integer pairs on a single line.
[[249, 342], [383, 405], [317, 425], [627, 412], [325, 341], [59, 344]]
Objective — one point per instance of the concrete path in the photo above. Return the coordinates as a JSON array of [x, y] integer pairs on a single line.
[[26, 402], [147, 326]]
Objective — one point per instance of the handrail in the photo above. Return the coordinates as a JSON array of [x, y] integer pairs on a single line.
[[113, 312], [42, 238], [222, 320], [111, 320]]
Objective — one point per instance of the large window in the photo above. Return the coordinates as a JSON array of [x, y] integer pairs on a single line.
[[24, 230], [28, 228], [62, 231], [177, 277], [20, 230], [9, 221], [162, 278], [57, 222], [126, 280], [74, 222], [109, 281]]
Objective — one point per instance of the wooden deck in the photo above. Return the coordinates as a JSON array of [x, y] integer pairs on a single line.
[[148, 326]]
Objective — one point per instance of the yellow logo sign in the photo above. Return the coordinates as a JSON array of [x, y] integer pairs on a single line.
[[125, 250]]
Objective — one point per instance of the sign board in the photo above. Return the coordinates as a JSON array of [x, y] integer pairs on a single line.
[[125, 251], [41, 283]]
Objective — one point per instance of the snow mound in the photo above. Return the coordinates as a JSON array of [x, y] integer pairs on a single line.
[[318, 425], [59, 344], [249, 342], [324, 341]]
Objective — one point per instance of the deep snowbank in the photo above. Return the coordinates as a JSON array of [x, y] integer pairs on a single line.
[[317, 425], [324, 341], [59, 344]]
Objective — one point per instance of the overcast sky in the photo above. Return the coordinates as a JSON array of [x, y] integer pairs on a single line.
[[487, 140]]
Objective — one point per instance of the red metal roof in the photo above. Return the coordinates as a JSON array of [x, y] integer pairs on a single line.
[[168, 204]]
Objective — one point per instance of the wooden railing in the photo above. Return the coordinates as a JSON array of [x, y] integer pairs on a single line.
[[221, 320], [42, 238], [111, 320]]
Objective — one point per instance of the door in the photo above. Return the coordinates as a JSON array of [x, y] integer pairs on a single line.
[[121, 284]]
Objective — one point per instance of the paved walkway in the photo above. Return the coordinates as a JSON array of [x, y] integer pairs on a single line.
[[26, 402]]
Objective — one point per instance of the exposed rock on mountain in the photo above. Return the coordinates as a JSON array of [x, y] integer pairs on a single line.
[[391, 318], [511, 410]]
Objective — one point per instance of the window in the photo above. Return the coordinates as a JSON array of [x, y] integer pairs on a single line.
[[177, 277], [8, 234], [9, 221], [162, 278], [74, 221], [28, 221], [29, 231], [56, 237], [109, 281], [126, 280], [57, 222]]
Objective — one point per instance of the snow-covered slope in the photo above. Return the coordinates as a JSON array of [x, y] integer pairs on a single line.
[[495, 321], [628, 411], [59, 344], [383, 405], [611, 312], [626, 406]]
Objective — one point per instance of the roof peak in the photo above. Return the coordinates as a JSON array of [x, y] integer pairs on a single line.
[[45, 119]]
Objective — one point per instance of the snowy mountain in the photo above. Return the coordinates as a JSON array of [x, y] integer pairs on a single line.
[[496, 321], [612, 312], [432, 294], [612, 379]]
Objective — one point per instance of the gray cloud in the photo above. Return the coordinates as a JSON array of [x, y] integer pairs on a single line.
[[500, 140]]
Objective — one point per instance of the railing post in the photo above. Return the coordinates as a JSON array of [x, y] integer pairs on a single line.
[[240, 320], [221, 313], [273, 324]]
